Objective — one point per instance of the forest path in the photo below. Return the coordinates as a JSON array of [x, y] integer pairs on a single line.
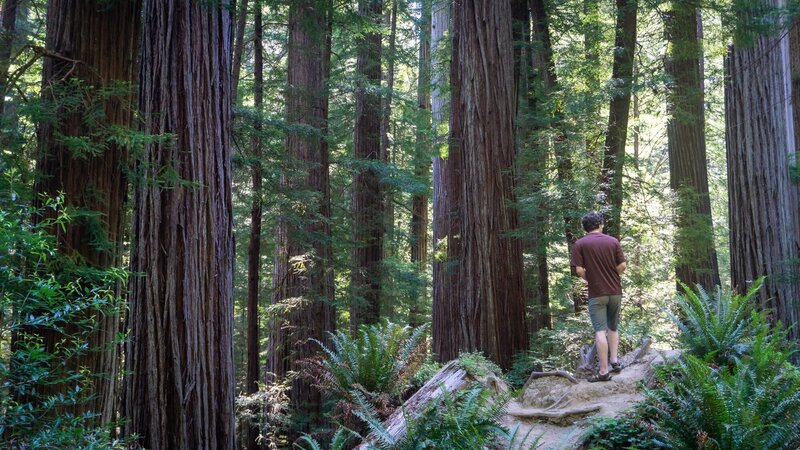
[[559, 411]]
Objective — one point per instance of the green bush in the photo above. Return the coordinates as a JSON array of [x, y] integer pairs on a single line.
[[716, 408], [43, 292], [628, 432], [719, 327], [379, 364]]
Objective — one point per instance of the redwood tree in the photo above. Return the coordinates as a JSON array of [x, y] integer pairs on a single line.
[[419, 201], [180, 389], [367, 202], [302, 279], [763, 201], [93, 49], [619, 111], [696, 259], [491, 305]]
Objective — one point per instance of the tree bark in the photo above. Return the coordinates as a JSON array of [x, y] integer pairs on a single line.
[[419, 201], [367, 203], [491, 308], [104, 41], [446, 203], [301, 280], [180, 391], [696, 259], [763, 212], [386, 114], [617, 132], [254, 250]]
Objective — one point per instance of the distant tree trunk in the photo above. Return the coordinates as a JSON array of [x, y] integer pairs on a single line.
[[419, 201], [8, 28], [696, 259], [254, 250], [764, 222], [104, 39], [386, 114], [446, 203], [303, 250], [617, 132], [180, 391], [492, 306], [794, 58], [539, 82], [238, 46], [367, 202]]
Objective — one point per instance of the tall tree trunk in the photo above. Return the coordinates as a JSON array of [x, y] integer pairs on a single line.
[[180, 390], [696, 259], [303, 239], [254, 250], [617, 132], [764, 222], [8, 28], [238, 45], [419, 201], [367, 202], [386, 114], [491, 308], [104, 40], [794, 61], [539, 81], [446, 343]]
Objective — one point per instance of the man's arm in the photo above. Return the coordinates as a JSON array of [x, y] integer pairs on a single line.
[[621, 267], [581, 271]]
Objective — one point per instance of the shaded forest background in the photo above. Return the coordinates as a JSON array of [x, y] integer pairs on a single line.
[[205, 204]]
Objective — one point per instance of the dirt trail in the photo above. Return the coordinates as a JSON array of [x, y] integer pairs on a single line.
[[555, 409]]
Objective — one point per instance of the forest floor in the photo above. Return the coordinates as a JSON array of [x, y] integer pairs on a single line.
[[559, 412]]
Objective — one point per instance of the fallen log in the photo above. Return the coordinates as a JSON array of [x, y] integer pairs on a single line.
[[552, 373], [450, 378], [549, 414]]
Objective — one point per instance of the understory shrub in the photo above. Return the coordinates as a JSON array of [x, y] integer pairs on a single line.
[[43, 292], [629, 432]]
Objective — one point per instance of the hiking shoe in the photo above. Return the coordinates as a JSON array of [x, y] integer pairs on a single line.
[[597, 378], [616, 367]]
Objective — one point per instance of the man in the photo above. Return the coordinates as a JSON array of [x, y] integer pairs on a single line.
[[598, 259]]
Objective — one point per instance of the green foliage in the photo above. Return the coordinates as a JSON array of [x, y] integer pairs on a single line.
[[626, 432], [45, 294], [268, 411], [377, 364], [708, 408], [467, 420], [718, 327]]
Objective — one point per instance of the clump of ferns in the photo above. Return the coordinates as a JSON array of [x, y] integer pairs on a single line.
[[377, 364]]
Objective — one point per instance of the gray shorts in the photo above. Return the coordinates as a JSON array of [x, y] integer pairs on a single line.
[[604, 312]]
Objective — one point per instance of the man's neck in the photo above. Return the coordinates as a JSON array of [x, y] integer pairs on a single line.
[[597, 231]]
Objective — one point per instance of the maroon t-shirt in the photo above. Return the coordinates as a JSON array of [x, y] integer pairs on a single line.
[[599, 254]]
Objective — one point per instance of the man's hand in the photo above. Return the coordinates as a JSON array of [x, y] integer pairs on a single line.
[[581, 271], [621, 267]]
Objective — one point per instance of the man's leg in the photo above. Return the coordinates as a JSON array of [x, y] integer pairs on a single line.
[[613, 345], [602, 350]]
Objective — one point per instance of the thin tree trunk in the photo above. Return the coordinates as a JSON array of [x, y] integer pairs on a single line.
[[386, 153], [302, 255], [419, 201], [492, 306], [540, 82], [238, 47], [696, 259], [445, 342], [254, 250], [8, 28], [180, 388], [617, 132], [104, 40], [367, 202], [764, 222]]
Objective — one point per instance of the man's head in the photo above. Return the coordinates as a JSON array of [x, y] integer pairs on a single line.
[[592, 221]]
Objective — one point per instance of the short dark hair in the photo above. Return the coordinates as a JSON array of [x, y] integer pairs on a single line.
[[592, 220]]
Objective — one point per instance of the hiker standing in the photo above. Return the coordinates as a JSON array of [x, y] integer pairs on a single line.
[[598, 259]]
